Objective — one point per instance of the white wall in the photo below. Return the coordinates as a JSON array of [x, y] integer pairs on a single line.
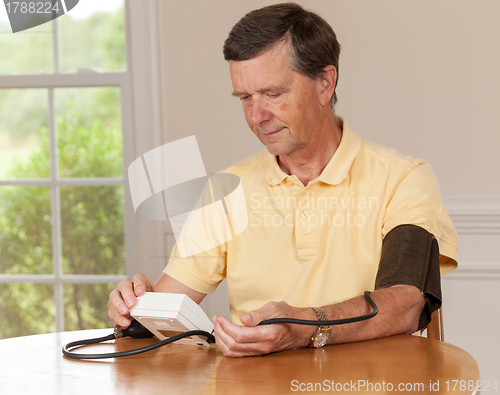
[[421, 76], [472, 292]]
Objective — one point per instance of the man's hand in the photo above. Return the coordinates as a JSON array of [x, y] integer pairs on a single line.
[[237, 341], [121, 300]]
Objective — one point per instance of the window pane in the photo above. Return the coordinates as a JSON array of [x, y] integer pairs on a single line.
[[25, 230], [92, 35], [88, 122], [86, 306], [24, 134], [26, 52], [92, 230], [26, 309]]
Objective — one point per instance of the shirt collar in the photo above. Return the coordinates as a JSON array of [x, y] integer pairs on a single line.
[[336, 170], [274, 174]]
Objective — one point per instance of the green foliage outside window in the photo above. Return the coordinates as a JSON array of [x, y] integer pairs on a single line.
[[96, 42], [92, 230], [89, 145]]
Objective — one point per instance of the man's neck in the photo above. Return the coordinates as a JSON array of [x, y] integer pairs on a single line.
[[307, 164]]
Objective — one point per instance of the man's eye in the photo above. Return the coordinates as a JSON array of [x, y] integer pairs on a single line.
[[244, 97], [275, 95]]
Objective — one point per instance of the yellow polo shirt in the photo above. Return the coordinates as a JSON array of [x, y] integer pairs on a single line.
[[319, 244]]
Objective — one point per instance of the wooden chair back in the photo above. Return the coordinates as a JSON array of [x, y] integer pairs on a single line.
[[435, 328]]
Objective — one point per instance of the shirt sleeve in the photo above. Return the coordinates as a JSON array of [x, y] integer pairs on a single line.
[[416, 200], [201, 272], [198, 259]]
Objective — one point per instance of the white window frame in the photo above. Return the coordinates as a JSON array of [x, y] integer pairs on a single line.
[[140, 16]]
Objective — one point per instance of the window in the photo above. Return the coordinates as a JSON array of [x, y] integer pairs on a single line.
[[65, 137]]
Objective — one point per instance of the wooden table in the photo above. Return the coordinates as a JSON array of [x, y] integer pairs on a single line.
[[35, 365]]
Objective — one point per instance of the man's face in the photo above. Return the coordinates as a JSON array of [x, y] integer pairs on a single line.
[[281, 106]]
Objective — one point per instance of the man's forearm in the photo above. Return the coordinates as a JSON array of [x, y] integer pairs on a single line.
[[399, 310]]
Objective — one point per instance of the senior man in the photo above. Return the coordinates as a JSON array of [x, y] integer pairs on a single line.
[[330, 214]]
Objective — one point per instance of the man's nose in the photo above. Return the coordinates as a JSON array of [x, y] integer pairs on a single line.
[[258, 113]]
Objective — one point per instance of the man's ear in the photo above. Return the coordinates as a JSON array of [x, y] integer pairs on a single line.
[[328, 79]]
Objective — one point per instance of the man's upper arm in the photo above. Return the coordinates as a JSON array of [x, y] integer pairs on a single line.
[[420, 241], [170, 285], [410, 256]]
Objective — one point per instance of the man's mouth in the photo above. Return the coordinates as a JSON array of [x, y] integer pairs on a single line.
[[271, 133]]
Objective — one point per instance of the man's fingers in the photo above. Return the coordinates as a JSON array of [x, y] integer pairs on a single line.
[[142, 284], [116, 300], [117, 311], [236, 341], [250, 319], [118, 319], [235, 332], [121, 300], [131, 290], [126, 289], [269, 310], [228, 346]]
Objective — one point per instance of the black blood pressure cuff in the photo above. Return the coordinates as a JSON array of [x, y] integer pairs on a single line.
[[410, 255]]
